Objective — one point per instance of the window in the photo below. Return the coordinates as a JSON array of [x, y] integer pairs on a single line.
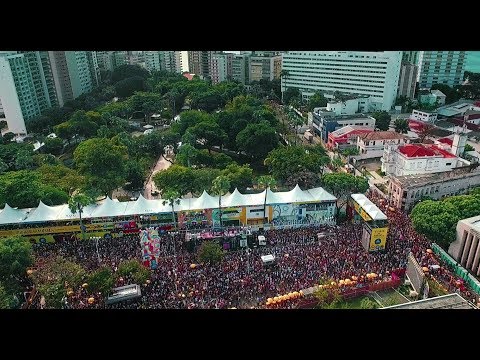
[[448, 164]]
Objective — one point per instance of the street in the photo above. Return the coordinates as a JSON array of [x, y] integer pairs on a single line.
[[150, 186]]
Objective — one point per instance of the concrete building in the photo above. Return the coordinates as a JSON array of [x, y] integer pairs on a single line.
[[441, 67], [173, 61], [17, 92], [372, 74], [346, 137], [466, 248], [154, 60], [136, 58], [71, 74], [432, 97], [412, 159], [411, 57], [218, 68], [185, 65], [199, 62], [408, 80], [325, 122], [405, 191], [373, 143], [350, 106], [425, 116], [240, 68], [93, 67], [265, 66]]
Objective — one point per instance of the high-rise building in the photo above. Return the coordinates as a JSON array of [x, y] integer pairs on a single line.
[[373, 74], [136, 58], [411, 57], [408, 80], [71, 74], [17, 91], [218, 68], [173, 61], [265, 65], [199, 62], [93, 67], [154, 60], [185, 64], [240, 68], [441, 67]]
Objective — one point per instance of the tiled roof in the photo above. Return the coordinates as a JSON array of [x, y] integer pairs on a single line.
[[420, 150], [382, 135], [446, 140]]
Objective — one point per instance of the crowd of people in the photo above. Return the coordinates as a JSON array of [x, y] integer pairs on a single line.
[[241, 279]]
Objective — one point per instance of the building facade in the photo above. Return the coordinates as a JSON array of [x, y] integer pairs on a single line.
[[411, 57], [373, 143], [413, 159], [325, 122], [466, 248], [408, 80], [441, 67], [406, 191], [240, 68], [71, 74], [374, 74], [425, 116], [93, 67], [346, 137], [199, 62], [265, 66], [218, 68]]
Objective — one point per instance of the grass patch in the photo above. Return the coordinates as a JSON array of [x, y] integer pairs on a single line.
[[435, 289], [391, 297]]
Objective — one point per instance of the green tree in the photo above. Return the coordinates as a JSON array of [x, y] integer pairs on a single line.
[[367, 303], [52, 196], [102, 163], [257, 140], [172, 198], [343, 185], [469, 147], [401, 126], [61, 177], [78, 202], [54, 277], [21, 189], [127, 71], [436, 220], [135, 174], [209, 134], [5, 298], [286, 161], [220, 187], [176, 177], [15, 257], [305, 179], [129, 86], [383, 119], [7, 137], [133, 269], [337, 163], [189, 119], [3, 125], [451, 94], [185, 154], [101, 280], [283, 76], [290, 95], [467, 205], [203, 179], [210, 252], [266, 182], [316, 100], [53, 146], [425, 130], [239, 177], [207, 101]]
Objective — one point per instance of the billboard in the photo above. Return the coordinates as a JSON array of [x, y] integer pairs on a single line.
[[378, 239], [56, 229], [361, 212]]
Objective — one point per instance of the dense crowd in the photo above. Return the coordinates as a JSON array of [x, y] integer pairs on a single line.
[[241, 279]]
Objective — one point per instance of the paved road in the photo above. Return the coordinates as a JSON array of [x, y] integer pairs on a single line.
[[150, 186]]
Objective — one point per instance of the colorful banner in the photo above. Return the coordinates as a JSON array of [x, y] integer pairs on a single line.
[[378, 239], [150, 247], [361, 212], [56, 229]]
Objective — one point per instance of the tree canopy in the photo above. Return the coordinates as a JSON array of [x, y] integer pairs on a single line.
[[383, 119]]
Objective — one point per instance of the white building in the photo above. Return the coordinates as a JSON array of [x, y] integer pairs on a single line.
[[425, 116], [412, 159], [348, 107], [465, 249], [441, 67], [373, 143], [372, 74], [218, 68]]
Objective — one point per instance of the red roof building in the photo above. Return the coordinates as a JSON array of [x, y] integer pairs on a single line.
[[346, 136]]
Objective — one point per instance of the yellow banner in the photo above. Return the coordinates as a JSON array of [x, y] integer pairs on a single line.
[[378, 239], [361, 212], [56, 229]]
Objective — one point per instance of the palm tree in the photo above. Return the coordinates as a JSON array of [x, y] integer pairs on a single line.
[[172, 197], [283, 75], [220, 186], [401, 126], [76, 203], [266, 182]]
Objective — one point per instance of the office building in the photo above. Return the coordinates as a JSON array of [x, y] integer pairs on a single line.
[[411, 57], [199, 62], [71, 74], [240, 68], [466, 248], [372, 74], [265, 65], [441, 67], [93, 67], [408, 80]]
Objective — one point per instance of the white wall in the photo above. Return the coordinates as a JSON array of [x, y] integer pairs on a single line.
[[339, 108], [422, 165], [9, 98], [423, 116]]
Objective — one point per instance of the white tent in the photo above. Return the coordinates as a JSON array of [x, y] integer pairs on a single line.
[[44, 213], [109, 208], [296, 195], [12, 216], [143, 206], [205, 201], [370, 208], [268, 259], [235, 199], [64, 212], [319, 194]]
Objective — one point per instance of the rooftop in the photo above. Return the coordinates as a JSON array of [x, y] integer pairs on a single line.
[[382, 135], [351, 128], [413, 181], [421, 150], [446, 140], [450, 301], [437, 93]]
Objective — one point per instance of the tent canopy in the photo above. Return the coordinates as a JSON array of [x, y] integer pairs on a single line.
[[44, 213], [370, 208], [10, 215]]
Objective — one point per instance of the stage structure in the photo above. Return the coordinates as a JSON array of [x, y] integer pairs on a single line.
[[374, 222]]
